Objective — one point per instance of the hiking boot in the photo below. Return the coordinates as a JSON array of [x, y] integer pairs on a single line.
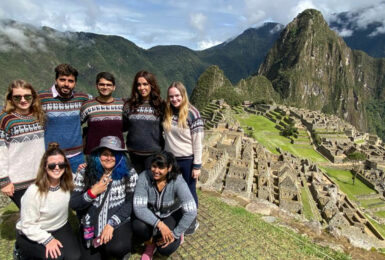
[[148, 252]]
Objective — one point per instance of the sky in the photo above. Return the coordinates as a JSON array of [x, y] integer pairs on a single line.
[[196, 24]]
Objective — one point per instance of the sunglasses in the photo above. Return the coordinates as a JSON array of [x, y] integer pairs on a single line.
[[52, 166], [18, 98]]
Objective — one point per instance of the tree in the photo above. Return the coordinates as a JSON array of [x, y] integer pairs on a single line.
[[290, 130], [355, 157]]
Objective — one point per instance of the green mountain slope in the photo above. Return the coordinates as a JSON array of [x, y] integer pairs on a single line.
[[32, 54], [311, 66], [213, 84]]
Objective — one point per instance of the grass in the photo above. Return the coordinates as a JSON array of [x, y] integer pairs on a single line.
[[267, 135], [297, 246], [306, 205], [380, 214], [372, 203], [344, 180], [379, 227]]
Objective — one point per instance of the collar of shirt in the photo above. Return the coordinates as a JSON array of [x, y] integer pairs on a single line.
[[56, 94]]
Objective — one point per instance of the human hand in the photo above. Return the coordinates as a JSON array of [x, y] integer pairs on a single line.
[[8, 190], [106, 235], [82, 166], [167, 236], [101, 185], [52, 249], [196, 173]]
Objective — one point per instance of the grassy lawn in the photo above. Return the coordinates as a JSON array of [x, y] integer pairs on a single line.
[[372, 203], [267, 135], [344, 180], [360, 141], [306, 205], [380, 214], [379, 227]]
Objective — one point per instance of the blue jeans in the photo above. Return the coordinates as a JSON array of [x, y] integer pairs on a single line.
[[185, 166], [75, 161]]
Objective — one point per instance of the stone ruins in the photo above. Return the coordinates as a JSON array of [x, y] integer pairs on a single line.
[[234, 164]]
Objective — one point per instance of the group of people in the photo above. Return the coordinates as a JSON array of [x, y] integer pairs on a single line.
[[142, 190]]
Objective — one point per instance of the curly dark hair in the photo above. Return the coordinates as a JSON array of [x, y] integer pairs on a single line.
[[155, 99]]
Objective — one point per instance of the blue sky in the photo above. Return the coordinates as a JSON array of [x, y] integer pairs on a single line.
[[196, 24]]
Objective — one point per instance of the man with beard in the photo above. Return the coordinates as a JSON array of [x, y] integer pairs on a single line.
[[62, 107], [103, 114]]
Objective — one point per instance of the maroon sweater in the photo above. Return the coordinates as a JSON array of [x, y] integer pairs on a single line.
[[103, 119]]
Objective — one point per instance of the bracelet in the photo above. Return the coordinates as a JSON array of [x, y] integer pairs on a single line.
[[89, 192]]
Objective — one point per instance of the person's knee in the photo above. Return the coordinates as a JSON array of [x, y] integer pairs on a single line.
[[167, 251], [141, 230], [74, 255], [119, 248]]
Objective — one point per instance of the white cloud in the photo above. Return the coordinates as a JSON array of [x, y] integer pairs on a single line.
[[190, 23], [207, 44], [198, 21], [344, 32], [12, 36]]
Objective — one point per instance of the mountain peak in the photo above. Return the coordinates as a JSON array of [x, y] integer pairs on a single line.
[[311, 66]]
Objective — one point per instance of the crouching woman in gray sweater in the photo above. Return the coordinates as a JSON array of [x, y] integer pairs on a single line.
[[163, 205]]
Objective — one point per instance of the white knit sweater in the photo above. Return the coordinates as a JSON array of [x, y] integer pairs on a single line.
[[41, 214]]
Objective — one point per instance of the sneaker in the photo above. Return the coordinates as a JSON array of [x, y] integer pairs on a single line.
[[192, 228], [181, 239], [148, 252]]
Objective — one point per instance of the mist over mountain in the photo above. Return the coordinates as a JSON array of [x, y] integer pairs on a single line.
[[32, 53], [362, 29]]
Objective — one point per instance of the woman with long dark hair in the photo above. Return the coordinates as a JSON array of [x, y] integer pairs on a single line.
[[21, 136], [103, 200], [43, 229], [142, 119], [163, 205]]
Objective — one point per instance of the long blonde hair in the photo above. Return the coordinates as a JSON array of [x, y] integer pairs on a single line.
[[183, 109], [35, 108]]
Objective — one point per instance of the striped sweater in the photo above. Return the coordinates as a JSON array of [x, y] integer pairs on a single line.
[[186, 142], [21, 149], [63, 120], [103, 119]]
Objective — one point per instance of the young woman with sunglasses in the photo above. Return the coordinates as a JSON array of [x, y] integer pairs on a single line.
[[102, 199], [142, 119], [21, 136], [43, 231]]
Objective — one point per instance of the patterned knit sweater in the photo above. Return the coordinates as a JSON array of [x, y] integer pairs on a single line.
[[63, 120], [21, 149], [151, 206], [186, 142], [103, 119], [144, 129], [116, 208]]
